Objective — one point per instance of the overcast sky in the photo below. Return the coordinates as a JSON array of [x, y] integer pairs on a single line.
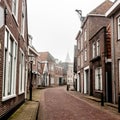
[[54, 24]]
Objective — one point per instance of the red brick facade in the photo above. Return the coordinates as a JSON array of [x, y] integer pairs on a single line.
[[92, 24], [101, 60], [114, 14], [13, 24]]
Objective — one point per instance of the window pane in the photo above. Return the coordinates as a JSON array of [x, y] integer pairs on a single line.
[[10, 66], [119, 28]]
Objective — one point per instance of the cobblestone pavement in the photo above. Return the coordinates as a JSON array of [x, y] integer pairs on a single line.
[[57, 104], [28, 111]]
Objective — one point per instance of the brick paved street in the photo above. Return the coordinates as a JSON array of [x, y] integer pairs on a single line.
[[57, 104]]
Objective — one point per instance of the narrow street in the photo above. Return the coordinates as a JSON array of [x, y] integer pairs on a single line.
[[57, 104]]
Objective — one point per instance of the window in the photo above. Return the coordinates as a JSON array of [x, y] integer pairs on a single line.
[[93, 50], [15, 8], [85, 35], [78, 60], [10, 64], [98, 48], [78, 45], [98, 78], [21, 72], [119, 28], [81, 42], [119, 73], [85, 55], [51, 67], [23, 18], [39, 67], [82, 59]]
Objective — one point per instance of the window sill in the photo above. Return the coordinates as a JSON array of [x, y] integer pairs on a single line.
[[8, 97], [95, 59], [98, 91], [20, 93]]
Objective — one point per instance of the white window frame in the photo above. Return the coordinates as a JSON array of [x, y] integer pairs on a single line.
[[82, 59], [78, 44], [15, 8], [85, 35], [78, 60], [118, 28], [23, 18], [21, 72], [85, 56], [119, 74], [93, 50], [10, 66], [98, 78], [81, 42], [98, 47], [52, 67]]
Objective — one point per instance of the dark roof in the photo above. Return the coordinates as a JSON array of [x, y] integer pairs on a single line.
[[102, 8]]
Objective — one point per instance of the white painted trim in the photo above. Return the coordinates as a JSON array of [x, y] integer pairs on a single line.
[[30, 48], [101, 15], [86, 68], [8, 97], [107, 60], [109, 12], [85, 82], [13, 94], [78, 83]]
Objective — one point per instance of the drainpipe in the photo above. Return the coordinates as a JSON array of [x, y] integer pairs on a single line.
[[105, 64], [113, 61]]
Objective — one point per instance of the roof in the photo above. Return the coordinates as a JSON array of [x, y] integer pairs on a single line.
[[115, 7], [102, 8], [78, 35], [46, 56], [99, 10], [31, 48]]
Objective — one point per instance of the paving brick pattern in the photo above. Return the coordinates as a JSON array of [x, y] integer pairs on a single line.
[[57, 104], [28, 111]]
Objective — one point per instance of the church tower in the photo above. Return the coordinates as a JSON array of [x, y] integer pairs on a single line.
[[67, 60]]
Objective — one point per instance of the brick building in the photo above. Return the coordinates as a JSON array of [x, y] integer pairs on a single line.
[[48, 68], [93, 22], [13, 54], [75, 68], [58, 74], [114, 14], [33, 55], [100, 64]]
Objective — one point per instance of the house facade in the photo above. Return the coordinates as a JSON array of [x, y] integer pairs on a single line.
[[92, 23], [114, 14], [58, 74], [75, 68], [48, 68], [13, 55], [100, 63], [32, 59]]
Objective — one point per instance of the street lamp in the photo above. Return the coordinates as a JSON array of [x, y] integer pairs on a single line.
[[30, 85]]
